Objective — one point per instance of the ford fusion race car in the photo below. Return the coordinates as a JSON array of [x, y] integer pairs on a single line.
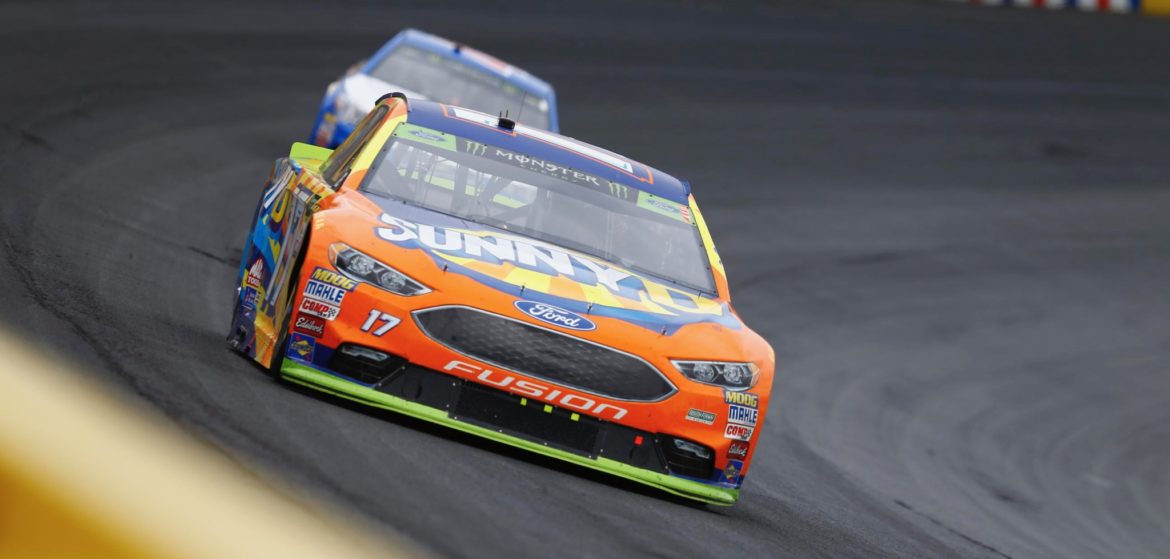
[[425, 66], [512, 283]]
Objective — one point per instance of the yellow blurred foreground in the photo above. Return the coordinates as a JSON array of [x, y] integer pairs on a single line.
[[84, 475]]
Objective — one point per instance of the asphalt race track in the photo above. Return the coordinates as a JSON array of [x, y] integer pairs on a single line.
[[952, 222]]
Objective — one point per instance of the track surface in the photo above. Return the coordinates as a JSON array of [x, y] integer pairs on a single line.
[[951, 222]]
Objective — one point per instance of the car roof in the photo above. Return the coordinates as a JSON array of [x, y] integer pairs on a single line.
[[549, 146], [467, 55]]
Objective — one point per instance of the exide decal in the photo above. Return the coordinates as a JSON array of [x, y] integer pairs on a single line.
[[522, 387], [555, 316]]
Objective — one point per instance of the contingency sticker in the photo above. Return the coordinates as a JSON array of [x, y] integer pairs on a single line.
[[663, 206], [301, 347], [700, 416], [738, 432]]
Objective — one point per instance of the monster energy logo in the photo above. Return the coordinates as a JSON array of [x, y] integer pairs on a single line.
[[619, 190], [475, 148]]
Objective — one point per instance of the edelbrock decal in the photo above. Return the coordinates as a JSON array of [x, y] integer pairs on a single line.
[[555, 316]]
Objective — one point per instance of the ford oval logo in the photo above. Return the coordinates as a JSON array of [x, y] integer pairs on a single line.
[[555, 316]]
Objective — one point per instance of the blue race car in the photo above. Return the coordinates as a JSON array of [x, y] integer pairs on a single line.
[[426, 66]]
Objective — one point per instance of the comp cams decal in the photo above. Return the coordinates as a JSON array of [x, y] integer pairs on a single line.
[[319, 309], [738, 432]]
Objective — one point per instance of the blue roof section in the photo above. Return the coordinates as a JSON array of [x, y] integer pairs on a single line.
[[472, 57], [548, 146]]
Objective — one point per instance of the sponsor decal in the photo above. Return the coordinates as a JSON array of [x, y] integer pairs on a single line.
[[737, 432], [319, 309], [532, 389], [333, 278], [562, 142], [513, 264], [301, 347], [742, 415], [555, 316], [324, 292], [255, 276], [738, 449], [741, 398], [252, 296], [732, 473], [312, 326], [700, 416], [534, 256], [426, 135]]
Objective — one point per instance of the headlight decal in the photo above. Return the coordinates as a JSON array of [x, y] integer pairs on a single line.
[[359, 266], [729, 375]]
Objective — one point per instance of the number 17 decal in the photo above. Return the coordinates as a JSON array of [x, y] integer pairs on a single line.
[[376, 315]]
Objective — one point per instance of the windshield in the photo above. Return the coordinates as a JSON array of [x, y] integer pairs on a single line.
[[543, 200], [449, 81]]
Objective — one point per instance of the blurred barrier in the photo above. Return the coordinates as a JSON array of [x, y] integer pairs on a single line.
[[1161, 7], [83, 475]]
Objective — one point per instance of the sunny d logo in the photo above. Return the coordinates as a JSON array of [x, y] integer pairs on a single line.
[[555, 316]]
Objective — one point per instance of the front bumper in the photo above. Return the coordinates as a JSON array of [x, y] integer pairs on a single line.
[[471, 408]]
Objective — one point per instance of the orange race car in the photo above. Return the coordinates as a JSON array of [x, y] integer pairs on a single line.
[[512, 283]]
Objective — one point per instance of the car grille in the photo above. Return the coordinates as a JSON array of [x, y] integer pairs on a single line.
[[525, 418], [543, 353]]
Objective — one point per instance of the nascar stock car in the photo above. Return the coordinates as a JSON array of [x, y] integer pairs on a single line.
[[426, 66], [512, 283]]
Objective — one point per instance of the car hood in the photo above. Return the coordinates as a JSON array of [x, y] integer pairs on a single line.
[[363, 90], [536, 271]]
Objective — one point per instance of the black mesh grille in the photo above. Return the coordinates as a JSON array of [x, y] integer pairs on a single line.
[[542, 353], [527, 418]]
